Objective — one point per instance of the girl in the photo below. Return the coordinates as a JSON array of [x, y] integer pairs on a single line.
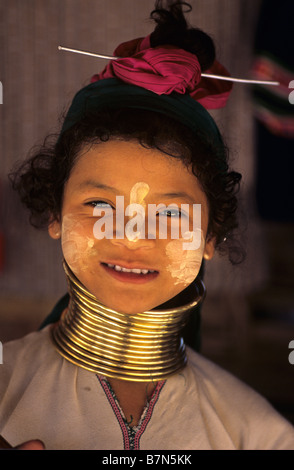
[[138, 191]]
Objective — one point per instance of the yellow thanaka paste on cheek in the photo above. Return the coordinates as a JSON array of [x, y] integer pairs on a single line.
[[184, 265], [78, 249]]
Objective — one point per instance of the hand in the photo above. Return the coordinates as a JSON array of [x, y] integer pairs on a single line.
[[35, 444], [31, 445]]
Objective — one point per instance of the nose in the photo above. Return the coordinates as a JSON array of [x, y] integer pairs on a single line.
[[137, 244], [133, 239], [134, 234]]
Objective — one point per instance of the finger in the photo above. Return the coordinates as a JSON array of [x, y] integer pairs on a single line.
[[35, 444]]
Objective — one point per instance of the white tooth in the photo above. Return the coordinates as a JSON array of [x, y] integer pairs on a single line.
[[126, 270]]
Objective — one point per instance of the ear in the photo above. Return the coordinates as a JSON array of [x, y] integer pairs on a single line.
[[209, 248], [54, 230]]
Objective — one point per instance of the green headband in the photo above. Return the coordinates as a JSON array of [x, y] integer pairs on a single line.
[[112, 93]]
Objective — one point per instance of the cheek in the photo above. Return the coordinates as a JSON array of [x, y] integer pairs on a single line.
[[77, 246], [184, 264]]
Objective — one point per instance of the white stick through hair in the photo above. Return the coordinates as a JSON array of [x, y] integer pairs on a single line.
[[218, 77], [77, 51]]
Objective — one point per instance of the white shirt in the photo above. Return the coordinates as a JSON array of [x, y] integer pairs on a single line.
[[43, 396]]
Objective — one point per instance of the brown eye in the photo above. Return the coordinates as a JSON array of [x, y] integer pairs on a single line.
[[99, 204], [172, 213]]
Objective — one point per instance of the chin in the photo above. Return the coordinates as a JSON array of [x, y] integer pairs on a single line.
[[128, 305], [128, 308], [129, 300]]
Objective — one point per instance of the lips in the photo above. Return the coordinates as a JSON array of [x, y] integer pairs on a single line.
[[127, 273]]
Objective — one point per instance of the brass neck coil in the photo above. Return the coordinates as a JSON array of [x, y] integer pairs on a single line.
[[138, 347]]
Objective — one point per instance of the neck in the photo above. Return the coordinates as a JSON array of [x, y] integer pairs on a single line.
[[137, 347]]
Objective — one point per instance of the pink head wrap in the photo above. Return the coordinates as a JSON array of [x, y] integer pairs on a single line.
[[167, 69]]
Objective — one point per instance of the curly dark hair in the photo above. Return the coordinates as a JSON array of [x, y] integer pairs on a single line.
[[41, 179]]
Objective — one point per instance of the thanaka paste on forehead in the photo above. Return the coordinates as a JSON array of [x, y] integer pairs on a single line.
[[137, 196], [138, 193]]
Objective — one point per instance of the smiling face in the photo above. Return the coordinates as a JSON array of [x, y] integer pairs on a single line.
[[130, 274]]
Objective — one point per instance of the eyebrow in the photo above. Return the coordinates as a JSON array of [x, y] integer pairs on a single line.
[[96, 184], [175, 195], [169, 195]]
